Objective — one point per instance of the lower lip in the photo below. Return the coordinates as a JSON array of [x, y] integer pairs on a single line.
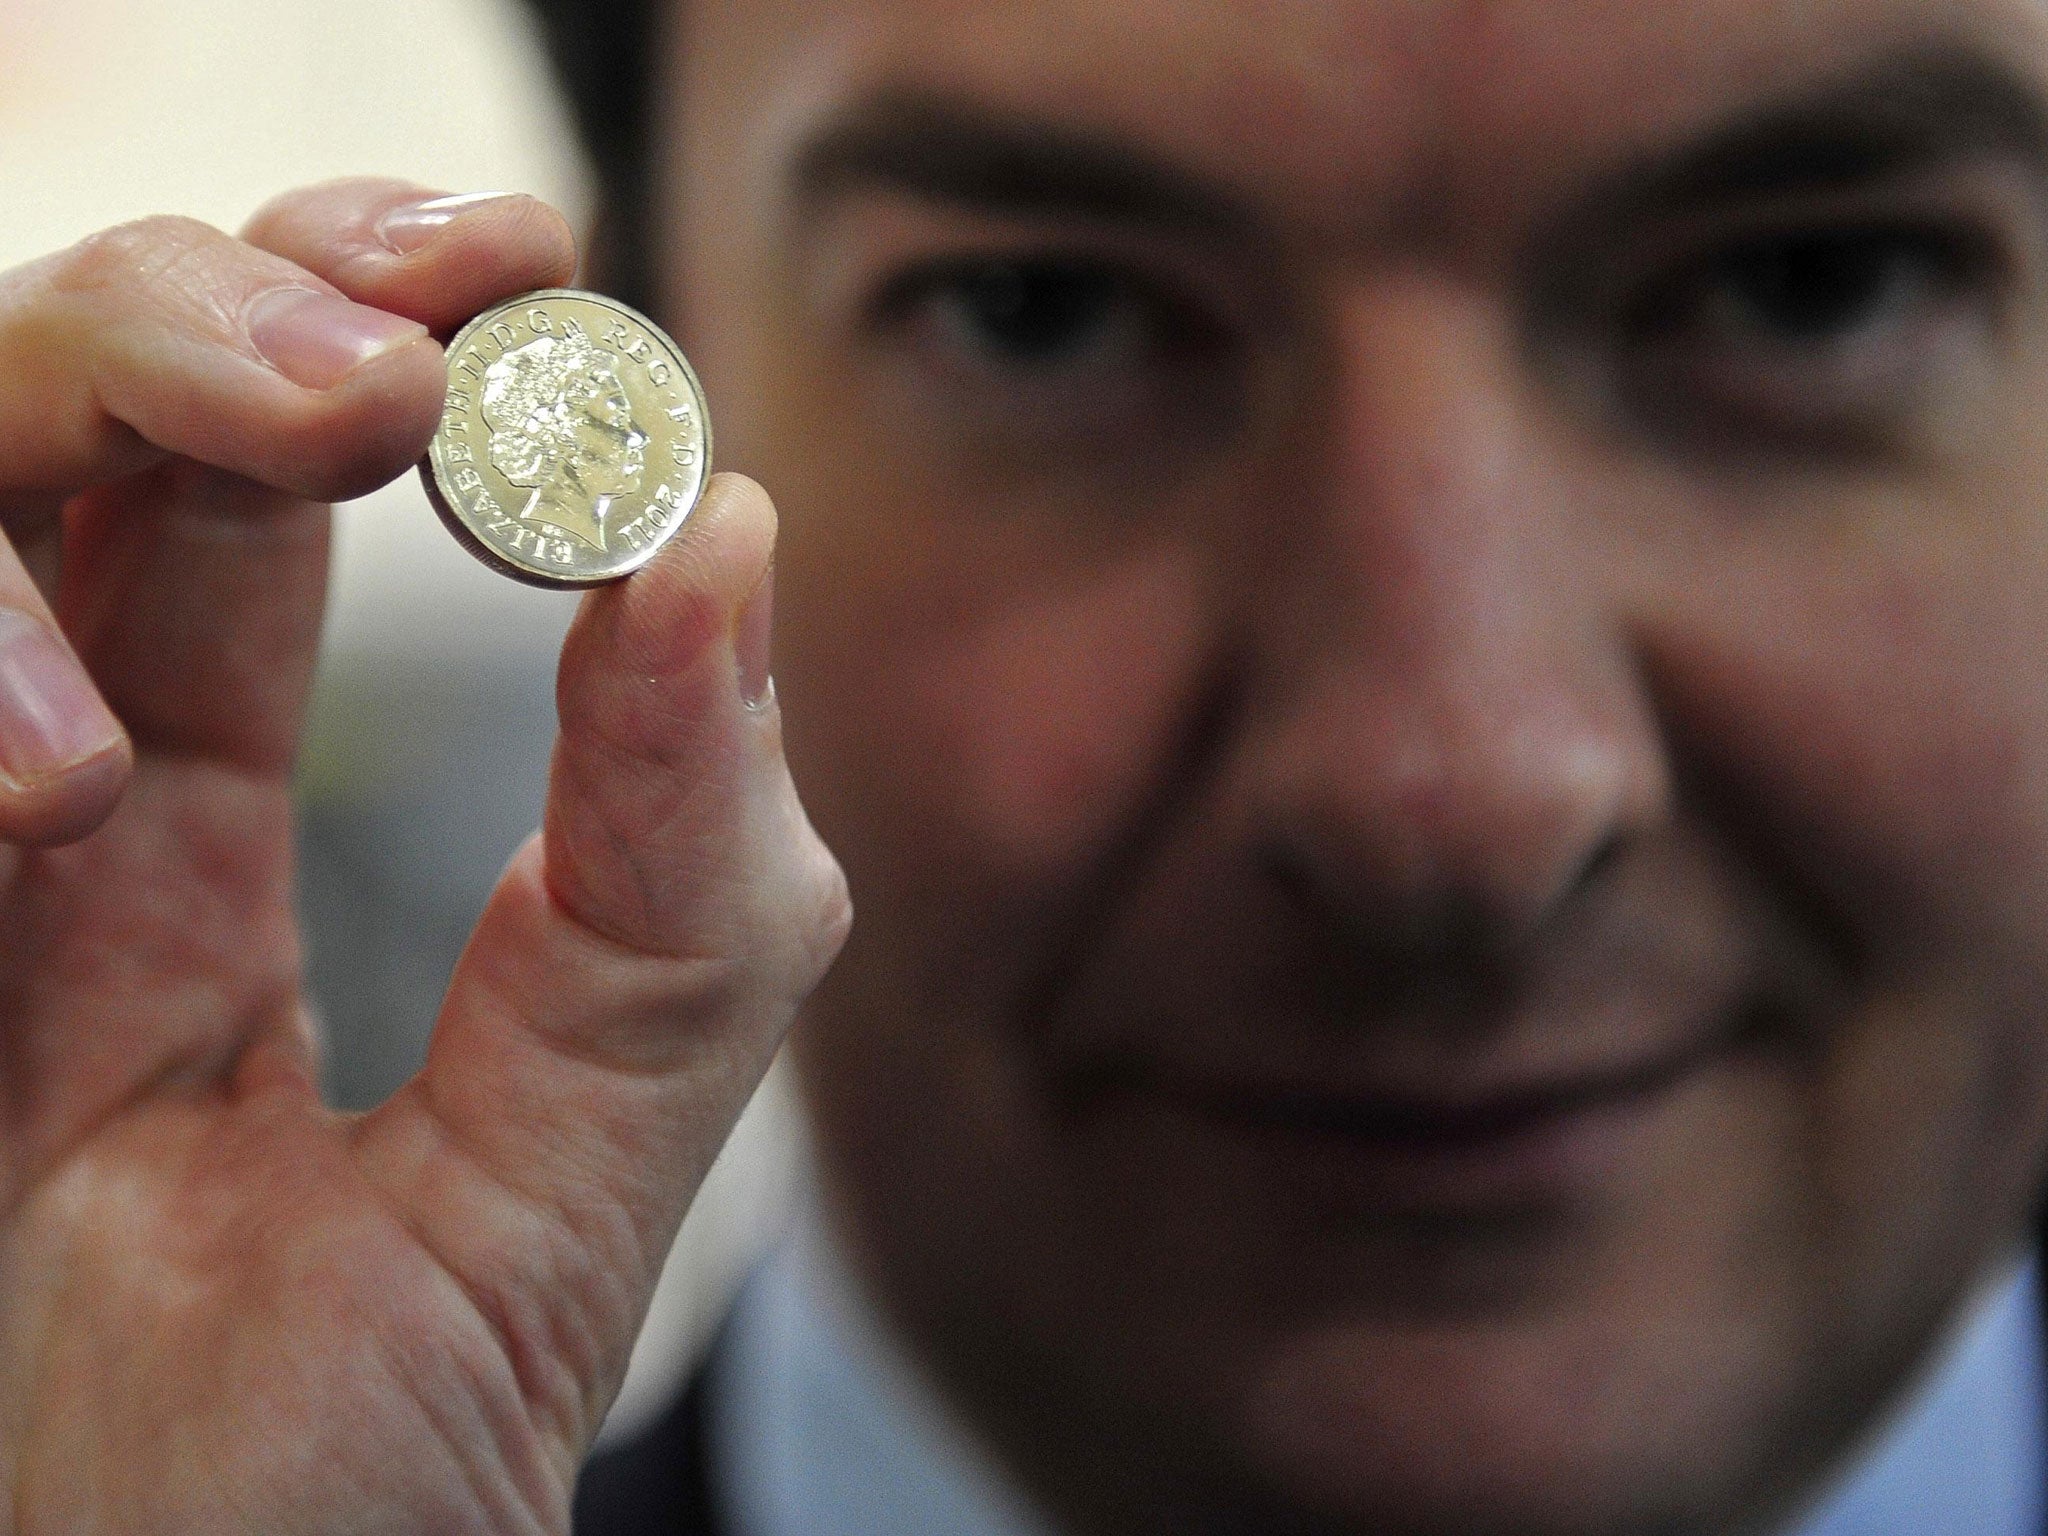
[[1566, 1155]]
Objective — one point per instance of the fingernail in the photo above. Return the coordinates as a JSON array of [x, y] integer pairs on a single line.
[[51, 716], [406, 229], [752, 632], [318, 339]]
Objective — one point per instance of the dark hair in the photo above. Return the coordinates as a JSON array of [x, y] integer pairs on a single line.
[[604, 55]]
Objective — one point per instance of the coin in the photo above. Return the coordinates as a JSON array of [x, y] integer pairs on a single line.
[[574, 443]]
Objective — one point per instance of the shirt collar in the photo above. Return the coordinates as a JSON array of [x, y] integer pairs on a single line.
[[820, 1426], [1963, 1454]]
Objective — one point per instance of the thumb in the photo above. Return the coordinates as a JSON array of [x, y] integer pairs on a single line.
[[631, 976]]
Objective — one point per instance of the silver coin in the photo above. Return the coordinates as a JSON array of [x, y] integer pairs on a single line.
[[575, 441]]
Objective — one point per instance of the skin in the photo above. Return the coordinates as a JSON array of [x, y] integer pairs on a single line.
[[223, 1307], [1433, 640], [1457, 658]]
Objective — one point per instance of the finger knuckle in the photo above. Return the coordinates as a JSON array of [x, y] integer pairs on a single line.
[[831, 909], [331, 206], [140, 252], [271, 220]]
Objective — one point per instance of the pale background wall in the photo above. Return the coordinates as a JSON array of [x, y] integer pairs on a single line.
[[429, 741]]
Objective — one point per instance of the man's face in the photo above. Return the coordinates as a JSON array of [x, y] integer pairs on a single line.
[[1424, 630]]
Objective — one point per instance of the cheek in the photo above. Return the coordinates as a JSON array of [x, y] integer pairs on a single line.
[[1877, 716], [973, 746], [1005, 729], [1053, 719], [1868, 718]]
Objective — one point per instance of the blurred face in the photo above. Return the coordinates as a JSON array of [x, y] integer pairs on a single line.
[[1424, 630]]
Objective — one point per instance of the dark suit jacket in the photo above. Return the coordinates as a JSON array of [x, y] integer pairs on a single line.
[[657, 1483]]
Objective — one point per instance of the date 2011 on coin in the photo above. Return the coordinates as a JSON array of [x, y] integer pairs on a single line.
[[574, 443]]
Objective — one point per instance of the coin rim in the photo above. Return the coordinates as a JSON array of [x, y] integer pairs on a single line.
[[445, 503]]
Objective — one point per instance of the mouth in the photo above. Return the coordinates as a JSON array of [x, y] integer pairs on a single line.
[[1390, 1151], [1441, 1121]]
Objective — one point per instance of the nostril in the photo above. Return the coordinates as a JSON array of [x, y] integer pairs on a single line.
[[1375, 949], [1415, 897], [1601, 860]]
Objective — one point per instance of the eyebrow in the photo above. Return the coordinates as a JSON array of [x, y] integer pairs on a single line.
[[1911, 111], [1908, 112], [958, 152]]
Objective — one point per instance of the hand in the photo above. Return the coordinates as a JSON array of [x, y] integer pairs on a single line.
[[224, 1308]]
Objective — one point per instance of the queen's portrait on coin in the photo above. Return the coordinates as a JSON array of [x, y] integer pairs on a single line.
[[562, 425]]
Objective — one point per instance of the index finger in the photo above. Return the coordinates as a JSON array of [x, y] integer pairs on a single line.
[[161, 340], [167, 337]]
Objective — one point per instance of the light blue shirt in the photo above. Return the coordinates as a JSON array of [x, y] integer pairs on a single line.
[[820, 1427], [1963, 1455]]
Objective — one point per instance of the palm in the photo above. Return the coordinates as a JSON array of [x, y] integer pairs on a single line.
[[202, 1263], [224, 1307]]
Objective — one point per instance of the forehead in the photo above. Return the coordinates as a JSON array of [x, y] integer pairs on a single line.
[[1343, 111]]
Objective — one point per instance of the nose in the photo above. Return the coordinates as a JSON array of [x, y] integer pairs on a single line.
[[1454, 735]]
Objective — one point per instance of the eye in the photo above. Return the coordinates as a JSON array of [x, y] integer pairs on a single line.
[[1034, 313], [1051, 315], [1059, 346], [1812, 288], [1829, 331]]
